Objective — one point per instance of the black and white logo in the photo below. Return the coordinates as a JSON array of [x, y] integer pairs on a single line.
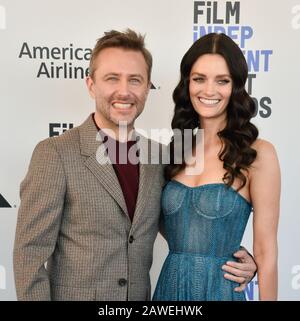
[[3, 202], [56, 129]]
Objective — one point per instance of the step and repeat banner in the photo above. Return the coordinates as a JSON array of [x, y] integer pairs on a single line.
[[45, 48]]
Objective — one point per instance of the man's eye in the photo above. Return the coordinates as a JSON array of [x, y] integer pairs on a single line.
[[112, 78], [135, 80]]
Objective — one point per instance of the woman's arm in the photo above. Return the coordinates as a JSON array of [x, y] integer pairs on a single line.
[[264, 178]]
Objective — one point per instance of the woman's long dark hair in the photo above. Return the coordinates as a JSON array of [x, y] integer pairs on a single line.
[[239, 133]]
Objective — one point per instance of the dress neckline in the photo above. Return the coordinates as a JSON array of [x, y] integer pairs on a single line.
[[211, 185]]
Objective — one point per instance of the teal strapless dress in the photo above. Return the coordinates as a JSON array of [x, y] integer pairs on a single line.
[[204, 226]]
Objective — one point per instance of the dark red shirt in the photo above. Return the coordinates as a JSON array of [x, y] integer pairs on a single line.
[[128, 173]]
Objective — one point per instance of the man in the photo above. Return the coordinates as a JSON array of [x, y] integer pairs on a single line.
[[93, 222]]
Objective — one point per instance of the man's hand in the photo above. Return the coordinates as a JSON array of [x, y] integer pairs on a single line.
[[242, 271]]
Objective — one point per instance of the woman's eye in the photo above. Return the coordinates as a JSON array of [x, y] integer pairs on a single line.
[[223, 81], [198, 79]]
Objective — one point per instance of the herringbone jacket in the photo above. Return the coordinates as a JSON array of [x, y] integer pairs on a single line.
[[73, 217]]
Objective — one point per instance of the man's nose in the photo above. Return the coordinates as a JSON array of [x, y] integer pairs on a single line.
[[123, 88]]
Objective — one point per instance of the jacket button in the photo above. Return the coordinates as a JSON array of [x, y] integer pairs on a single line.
[[131, 239], [122, 282]]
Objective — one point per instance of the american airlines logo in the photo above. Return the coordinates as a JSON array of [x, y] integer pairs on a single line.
[[3, 202]]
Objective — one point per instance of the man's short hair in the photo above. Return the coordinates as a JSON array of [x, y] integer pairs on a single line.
[[128, 40]]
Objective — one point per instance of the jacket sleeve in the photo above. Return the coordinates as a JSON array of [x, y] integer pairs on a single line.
[[42, 195]]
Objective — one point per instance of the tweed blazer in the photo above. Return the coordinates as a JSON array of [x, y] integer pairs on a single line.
[[74, 239]]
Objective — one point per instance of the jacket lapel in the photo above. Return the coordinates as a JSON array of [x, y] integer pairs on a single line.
[[98, 162], [147, 175]]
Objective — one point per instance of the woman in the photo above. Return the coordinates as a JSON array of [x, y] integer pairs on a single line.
[[205, 215]]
